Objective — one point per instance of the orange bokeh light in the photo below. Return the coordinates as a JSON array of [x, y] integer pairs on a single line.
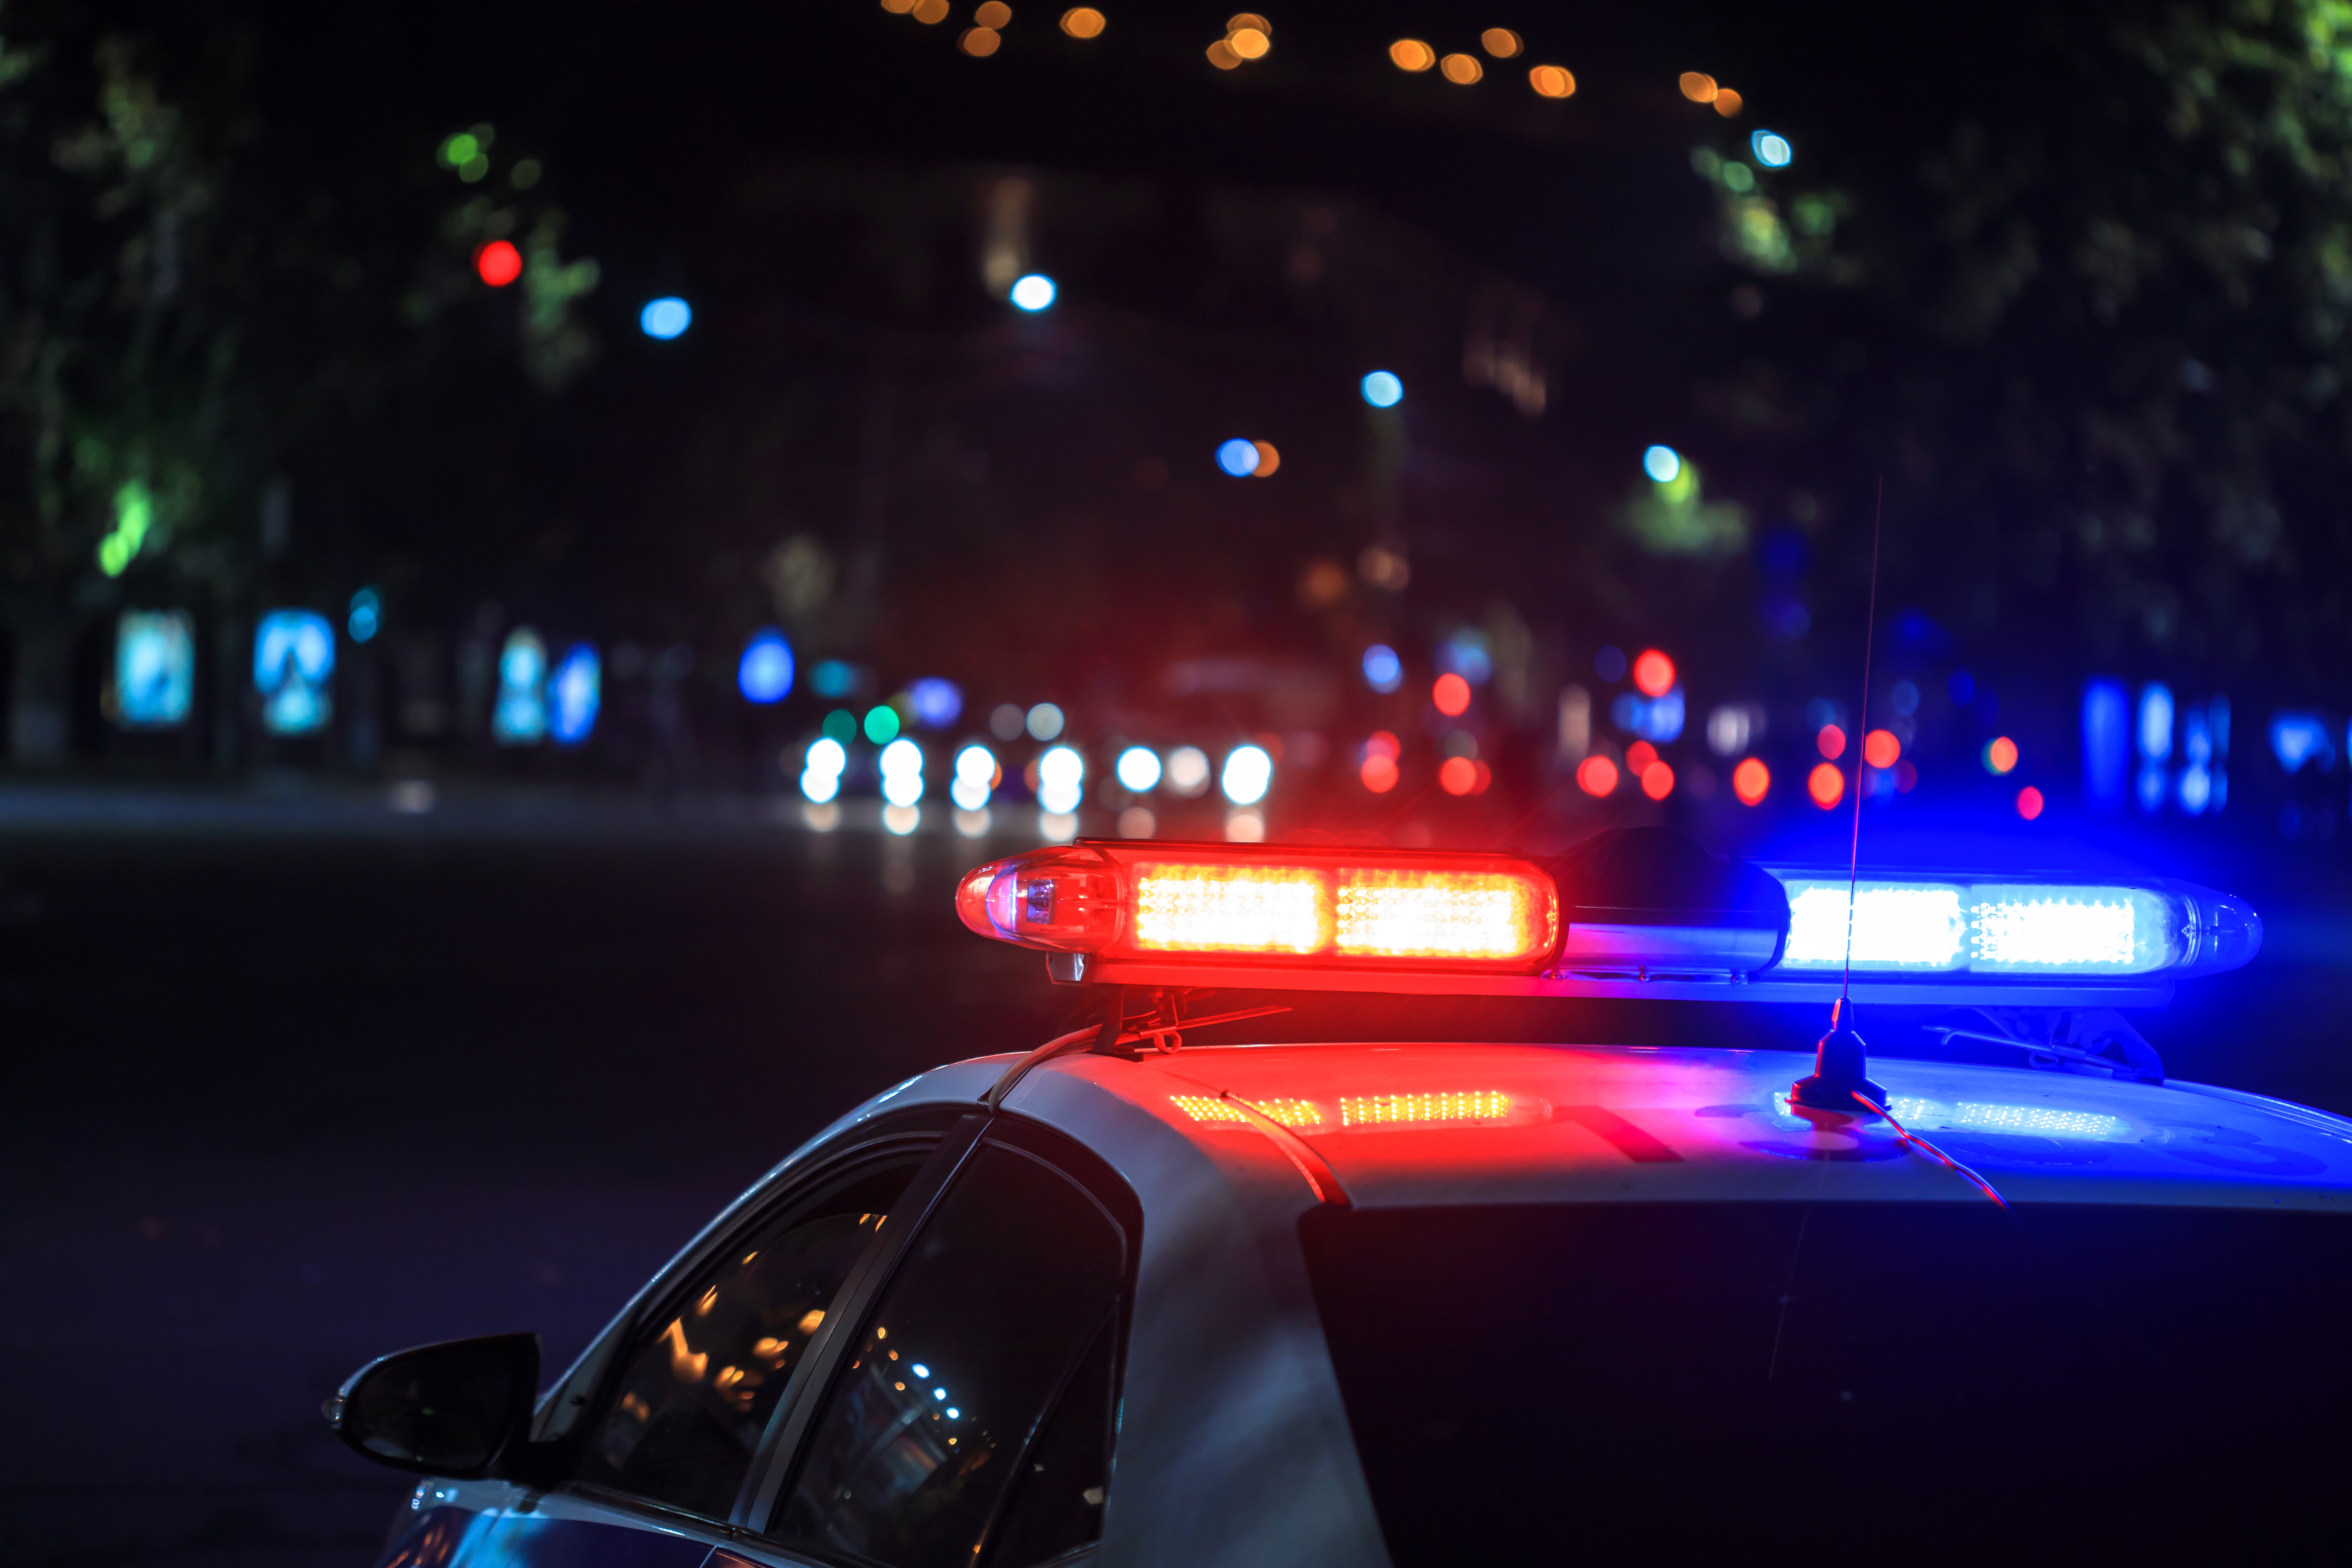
[[1880, 749], [1083, 22], [1657, 781], [1751, 781], [1412, 54], [498, 263], [1832, 741], [1249, 43], [1452, 695], [1698, 87], [980, 42], [1269, 459], [1727, 102], [1826, 785], [1639, 756], [1551, 82], [1596, 776], [1654, 673], [1500, 42], [2029, 803], [1221, 55], [1379, 773], [992, 14], [2001, 754], [1458, 776], [1461, 70]]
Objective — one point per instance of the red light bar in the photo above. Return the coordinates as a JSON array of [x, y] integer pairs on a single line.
[[1346, 908]]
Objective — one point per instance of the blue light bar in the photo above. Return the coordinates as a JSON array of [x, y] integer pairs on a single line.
[[2015, 927]]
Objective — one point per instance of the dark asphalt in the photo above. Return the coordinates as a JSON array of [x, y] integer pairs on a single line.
[[276, 1103]]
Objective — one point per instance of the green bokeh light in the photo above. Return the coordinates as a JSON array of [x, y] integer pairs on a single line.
[[841, 725], [460, 150], [881, 724]]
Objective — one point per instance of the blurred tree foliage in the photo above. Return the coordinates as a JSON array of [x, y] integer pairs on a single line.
[[2080, 282]]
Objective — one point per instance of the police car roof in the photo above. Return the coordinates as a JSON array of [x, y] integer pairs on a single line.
[[1440, 1123]]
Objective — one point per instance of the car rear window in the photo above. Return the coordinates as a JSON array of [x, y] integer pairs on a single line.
[[1638, 1380]]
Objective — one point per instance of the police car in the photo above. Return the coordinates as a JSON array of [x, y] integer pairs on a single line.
[[1140, 1296]]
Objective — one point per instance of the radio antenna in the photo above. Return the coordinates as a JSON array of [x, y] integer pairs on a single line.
[[1862, 730], [1840, 1076]]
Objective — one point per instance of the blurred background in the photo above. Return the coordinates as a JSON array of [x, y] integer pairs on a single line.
[[536, 541]]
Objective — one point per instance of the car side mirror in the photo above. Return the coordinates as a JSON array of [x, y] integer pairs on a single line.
[[446, 1410]]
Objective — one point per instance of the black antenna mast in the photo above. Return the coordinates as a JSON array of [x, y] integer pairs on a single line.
[[1841, 1074]]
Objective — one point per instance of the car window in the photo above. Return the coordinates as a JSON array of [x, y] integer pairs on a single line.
[[984, 1324], [1057, 1498], [697, 1390]]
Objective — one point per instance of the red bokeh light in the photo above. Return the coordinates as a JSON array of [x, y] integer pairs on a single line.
[[1596, 776], [1379, 773], [1826, 785], [1639, 756], [1657, 781], [1458, 776], [2000, 754], [1452, 695], [2029, 803], [1383, 744], [1832, 741], [1880, 749], [1751, 781], [498, 263], [1654, 673]]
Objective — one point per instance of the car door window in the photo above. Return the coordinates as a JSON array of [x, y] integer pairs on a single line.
[[986, 1321], [698, 1388], [1057, 1498]]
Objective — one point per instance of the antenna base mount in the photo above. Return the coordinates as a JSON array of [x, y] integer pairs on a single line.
[[1841, 1068]]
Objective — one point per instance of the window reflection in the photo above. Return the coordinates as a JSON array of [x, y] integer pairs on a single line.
[[697, 1393]]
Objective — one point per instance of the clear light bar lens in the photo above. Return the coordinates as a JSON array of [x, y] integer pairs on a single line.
[[2002, 928]]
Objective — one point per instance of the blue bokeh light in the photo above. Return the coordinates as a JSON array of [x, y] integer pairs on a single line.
[[1662, 464], [1383, 670], [1034, 292], [1238, 457], [367, 615], [765, 674], [936, 703], [575, 693], [1771, 149], [835, 677], [293, 661], [665, 318], [1383, 389]]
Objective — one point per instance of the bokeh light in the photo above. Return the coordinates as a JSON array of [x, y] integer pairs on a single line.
[[881, 723], [1045, 721], [1826, 785], [1751, 781], [1500, 42], [2029, 803], [1662, 464], [1083, 22], [1238, 457], [841, 726], [821, 770], [1727, 102], [975, 775], [1551, 82], [1462, 71], [935, 702], [1187, 771], [366, 614], [764, 675], [1458, 775], [2000, 755], [1383, 670], [1061, 777], [575, 692], [902, 772], [1771, 149], [1654, 673], [992, 14], [1832, 741], [1596, 776], [498, 263], [980, 42], [1137, 822], [1249, 43], [665, 318], [1451, 693], [1139, 768], [1379, 771], [1658, 781], [1609, 663], [1412, 54], [1880, 749], [1382, 389], [1269, 459], [1698, 87], [1248, 774], [1638, 758], [1034, 292]]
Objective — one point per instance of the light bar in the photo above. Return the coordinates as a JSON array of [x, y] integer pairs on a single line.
[[2018, 927], [1349, 908]]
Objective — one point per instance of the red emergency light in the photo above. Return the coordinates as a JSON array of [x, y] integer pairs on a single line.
[[1346, 910]]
